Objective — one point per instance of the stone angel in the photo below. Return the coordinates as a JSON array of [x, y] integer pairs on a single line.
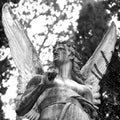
[[64, 92]]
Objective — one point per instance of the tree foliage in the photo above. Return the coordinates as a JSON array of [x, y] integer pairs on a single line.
[[5, 65], [92, 25]]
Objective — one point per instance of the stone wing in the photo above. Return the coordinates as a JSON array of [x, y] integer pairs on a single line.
[[96, 66], [22, 50]]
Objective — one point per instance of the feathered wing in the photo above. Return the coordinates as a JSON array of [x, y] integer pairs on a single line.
[[22, 50], [96, 66]]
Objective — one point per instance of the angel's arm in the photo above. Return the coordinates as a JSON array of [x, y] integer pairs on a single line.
[[34, 89], [36, 86], [29, 96]]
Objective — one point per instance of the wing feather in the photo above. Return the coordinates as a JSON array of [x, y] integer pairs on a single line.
[[96, 66], [22, 50]]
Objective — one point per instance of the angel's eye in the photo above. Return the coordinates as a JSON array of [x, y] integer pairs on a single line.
[[55, 54], [68, 45], [54, 51]]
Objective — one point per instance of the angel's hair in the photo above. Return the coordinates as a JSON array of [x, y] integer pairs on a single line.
[[75, 73]]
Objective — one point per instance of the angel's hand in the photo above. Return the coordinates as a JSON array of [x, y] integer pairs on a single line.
[[51, 75], [95, 97], [35, 81], [88, 93], [96, 101]]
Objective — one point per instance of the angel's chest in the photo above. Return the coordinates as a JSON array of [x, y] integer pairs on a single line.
[[60, 82], [66, 83]]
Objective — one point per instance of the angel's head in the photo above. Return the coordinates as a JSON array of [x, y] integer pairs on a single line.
[[62, 53]]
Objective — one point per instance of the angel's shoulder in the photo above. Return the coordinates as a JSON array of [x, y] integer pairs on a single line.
[[58, 82], [34, 81]]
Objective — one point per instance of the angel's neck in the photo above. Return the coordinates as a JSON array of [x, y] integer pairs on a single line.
[[65, 71]]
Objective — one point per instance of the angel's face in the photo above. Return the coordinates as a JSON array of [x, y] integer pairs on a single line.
[[60, 54]]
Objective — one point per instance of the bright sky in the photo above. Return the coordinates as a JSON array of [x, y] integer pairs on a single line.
[[38, 25], [114, 18]]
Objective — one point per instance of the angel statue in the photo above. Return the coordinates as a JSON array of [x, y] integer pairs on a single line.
[[64, 92]]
